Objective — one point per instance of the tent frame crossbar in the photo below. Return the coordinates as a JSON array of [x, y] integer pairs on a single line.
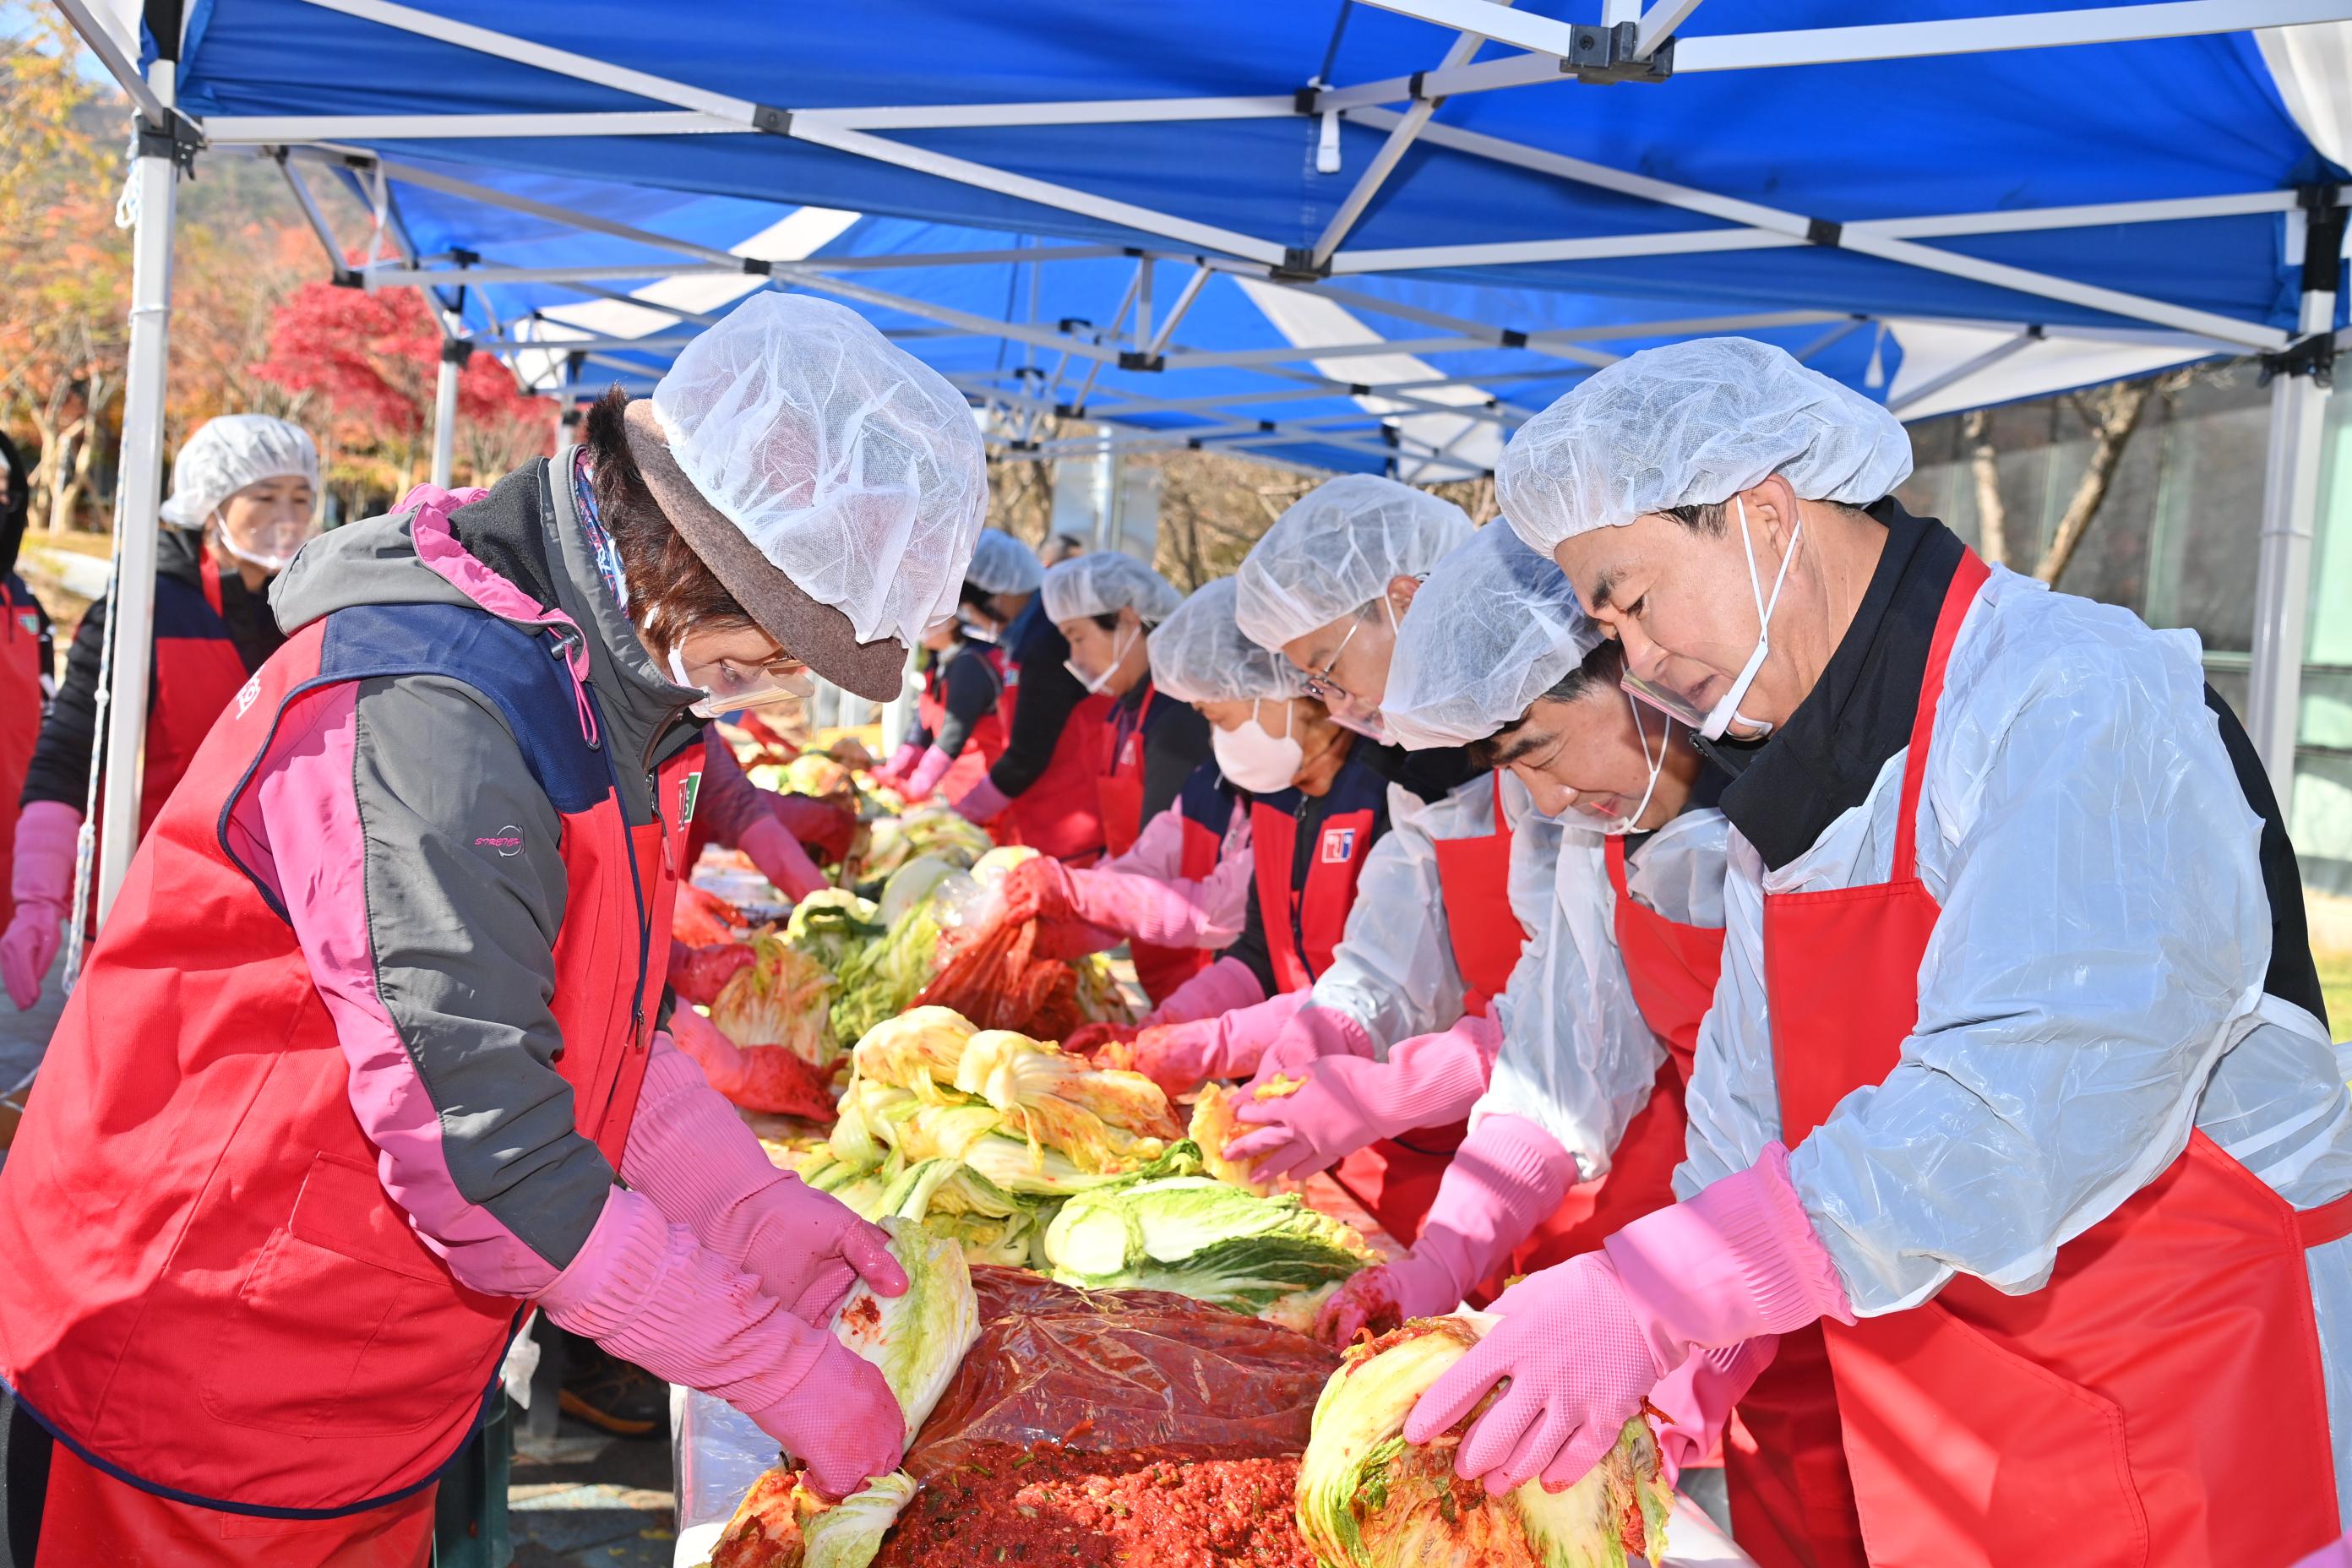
[[1475, 20]]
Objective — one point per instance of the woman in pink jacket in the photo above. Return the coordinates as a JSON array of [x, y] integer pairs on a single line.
[[370, 1056]]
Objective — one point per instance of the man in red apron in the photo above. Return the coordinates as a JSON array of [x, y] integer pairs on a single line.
[[1583, 1119], [2017, 1087]]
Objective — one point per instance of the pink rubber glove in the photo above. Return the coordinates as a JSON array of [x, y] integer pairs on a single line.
[[980, 803], [42, 884], [1137, 906], [758, 1077], [1508, 1175], [1312, 1034], [926, 777], [1584, 1342], [648, 1292], [824, 827], [902, 761], [1224, 986], [1348, 1102], [781, 858], [693, 1156], [1179, 1057], [1696, 1398], [2337, 1554]]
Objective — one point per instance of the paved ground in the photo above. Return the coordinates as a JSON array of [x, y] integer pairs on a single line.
[[591, 1501]]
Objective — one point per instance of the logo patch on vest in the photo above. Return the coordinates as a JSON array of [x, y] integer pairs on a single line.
[[1339, 846], [688, 791], [506, 840], [247, 694]]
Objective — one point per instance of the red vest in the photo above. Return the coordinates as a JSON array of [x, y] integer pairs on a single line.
[[1306, 914], [1120, 792], [1205, 805], [985, 741], [209, 1292]]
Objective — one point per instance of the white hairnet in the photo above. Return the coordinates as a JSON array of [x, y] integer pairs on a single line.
[[1690, 424], [229, 453], [1104, 583], [1336, 548], [1494, 628], [852, 466], [1003, 565], [1199, 655]]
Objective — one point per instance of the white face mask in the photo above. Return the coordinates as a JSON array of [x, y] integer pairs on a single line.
[[1095, 683], [272, 549], [1632, 819], [1255, 760], [1726, 712]]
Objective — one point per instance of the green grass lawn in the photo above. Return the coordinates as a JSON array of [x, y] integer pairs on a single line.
[[2335, 980]]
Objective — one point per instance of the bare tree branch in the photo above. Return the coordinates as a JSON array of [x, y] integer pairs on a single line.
[[2111, 416], [1984, 465]]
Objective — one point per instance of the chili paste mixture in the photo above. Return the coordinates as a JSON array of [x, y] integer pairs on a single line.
[[1135, 1509]]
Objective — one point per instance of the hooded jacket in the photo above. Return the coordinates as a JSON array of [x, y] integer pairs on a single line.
[[411, 892]]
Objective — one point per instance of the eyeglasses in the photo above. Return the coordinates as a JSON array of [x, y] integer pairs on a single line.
[[1319, 684]]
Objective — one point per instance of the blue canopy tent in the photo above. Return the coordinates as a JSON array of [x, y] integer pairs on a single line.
[[2151, 179]]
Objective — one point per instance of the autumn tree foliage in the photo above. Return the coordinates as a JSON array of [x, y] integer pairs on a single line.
[[365, 365]]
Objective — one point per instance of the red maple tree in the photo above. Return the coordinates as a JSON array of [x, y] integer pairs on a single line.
[[368, 362]]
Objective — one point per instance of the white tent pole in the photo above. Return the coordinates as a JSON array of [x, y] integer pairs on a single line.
[[131, 617], [2290, 502]]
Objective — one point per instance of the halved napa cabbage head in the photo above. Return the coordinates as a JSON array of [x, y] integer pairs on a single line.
[[1367, 1498]]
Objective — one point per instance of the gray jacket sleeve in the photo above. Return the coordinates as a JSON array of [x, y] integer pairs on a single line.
[[465, 889]]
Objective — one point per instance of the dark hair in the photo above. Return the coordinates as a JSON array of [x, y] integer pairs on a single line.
[[669, 587], [1706, 519], [1713, 518], [1602, 669]]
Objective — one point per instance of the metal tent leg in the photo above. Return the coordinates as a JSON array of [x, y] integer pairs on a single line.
[[2290, 503], [455, 352], [131, 619]]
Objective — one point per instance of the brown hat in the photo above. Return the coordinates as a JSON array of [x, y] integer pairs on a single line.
[[807, 629]]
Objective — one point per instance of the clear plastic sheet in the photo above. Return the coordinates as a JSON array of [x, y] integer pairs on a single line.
[[1121, 1369]]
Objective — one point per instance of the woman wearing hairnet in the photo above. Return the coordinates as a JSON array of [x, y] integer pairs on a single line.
[[377, 1020], [1317, 810], [244, 499], [1435, 934], [1044, 790], [960, 733], [1107, 605], [1184, 884], [2016, 1081]]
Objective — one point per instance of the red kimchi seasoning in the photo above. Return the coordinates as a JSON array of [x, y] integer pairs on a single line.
[[1135, 1509]]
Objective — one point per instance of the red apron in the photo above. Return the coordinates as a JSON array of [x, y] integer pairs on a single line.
[[1060, 815], [2158, 1403], [1397, 1178], [1120, 792], [984, 743], [1671, 969], [20, 719]]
